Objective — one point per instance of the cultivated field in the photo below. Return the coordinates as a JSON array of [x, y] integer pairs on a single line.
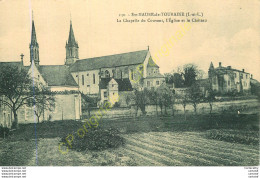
[[152, 149], [201, 140]]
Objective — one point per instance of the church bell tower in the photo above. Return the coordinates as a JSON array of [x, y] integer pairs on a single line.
[[34, 47], [72, 53]]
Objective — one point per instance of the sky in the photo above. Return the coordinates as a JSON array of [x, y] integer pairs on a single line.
[[231, 34]]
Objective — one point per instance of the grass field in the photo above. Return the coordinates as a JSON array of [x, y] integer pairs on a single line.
[[149, 142]]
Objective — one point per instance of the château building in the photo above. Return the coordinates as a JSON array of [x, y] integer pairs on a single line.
[[227, 79]]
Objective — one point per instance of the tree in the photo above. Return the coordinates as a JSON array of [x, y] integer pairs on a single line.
[[165, 97], [17, 88], [175, 79], [184, 100], [141, 99], [195, 96], [190, 73], [178, 80], [44, 101], [210, 98], [153, 97]]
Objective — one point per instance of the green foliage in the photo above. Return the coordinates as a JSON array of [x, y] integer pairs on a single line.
[[175, 79], [141, 99], [4, 131], [234, 136], [116, 105], [96, 139], [195, 95], [17, 88], [165, 97]]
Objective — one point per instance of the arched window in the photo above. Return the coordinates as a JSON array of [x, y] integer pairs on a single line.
[[132, 74], [113, 73], [120, 74], [107, 75]]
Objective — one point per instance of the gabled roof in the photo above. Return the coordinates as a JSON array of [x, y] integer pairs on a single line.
[[116, 60], [57, 75], [151, 63]]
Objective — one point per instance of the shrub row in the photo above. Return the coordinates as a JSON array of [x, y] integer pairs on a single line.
[[234, 136]]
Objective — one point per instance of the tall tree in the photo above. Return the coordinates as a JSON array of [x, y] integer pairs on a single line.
[[190, 73], [184, 99], [17, 88], [141, 100], [195, 96], [210, 98], [165, 97], [153, 98]]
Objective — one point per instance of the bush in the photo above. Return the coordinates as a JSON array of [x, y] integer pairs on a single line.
[[116, 105], [234, 136], [4, 132], [96, 139]]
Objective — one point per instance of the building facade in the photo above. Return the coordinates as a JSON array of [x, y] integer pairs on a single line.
[[107, 78], [226, 79]]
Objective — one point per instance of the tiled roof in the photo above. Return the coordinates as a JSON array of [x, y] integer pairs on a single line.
[[123, 59], [57, 75]]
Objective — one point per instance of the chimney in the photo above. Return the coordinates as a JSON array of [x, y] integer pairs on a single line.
[[229, 67], [22, 58], [243, 70], [219, 64], [251, 76]]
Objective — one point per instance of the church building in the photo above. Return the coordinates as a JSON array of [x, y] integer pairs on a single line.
[[105, 77]]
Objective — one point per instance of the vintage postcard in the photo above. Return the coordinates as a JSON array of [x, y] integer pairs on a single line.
[[129, 83]]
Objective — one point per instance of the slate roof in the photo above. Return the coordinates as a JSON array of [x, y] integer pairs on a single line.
[[116, 60], [155, 75], [230, 69], [151, 63], [14, 64], [57, 75]]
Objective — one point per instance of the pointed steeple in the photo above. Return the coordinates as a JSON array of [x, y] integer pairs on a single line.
[[72, 41], [33, 36], [72, 53], [211, 66], [34, 47]]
